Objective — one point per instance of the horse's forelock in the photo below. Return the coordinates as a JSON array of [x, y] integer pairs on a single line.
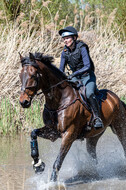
[[28, 61]]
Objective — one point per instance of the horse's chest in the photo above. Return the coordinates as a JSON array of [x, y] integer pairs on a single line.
[[50, 118]]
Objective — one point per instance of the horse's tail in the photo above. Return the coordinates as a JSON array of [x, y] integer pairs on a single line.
[[124, 104]]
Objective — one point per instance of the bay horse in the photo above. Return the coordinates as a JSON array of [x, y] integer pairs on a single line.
[[65, 115]]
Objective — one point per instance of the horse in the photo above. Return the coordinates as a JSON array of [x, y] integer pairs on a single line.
[[65, 115]]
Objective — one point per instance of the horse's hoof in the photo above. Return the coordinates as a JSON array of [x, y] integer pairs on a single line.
[[39, 167]]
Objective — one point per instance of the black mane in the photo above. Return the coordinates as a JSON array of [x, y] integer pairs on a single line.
[[45, 59]]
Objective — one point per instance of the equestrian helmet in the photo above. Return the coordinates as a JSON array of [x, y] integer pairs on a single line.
[[68, 31]]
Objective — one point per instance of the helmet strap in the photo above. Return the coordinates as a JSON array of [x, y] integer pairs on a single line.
[[73, 44]]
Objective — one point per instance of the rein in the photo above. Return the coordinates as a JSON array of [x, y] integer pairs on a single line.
[[62, 107], [53, 86]]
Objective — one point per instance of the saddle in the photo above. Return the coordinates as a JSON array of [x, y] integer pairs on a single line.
[[100, 94]]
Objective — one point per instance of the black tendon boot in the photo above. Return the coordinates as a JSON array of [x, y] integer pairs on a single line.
[[38, 166], [97, 122]]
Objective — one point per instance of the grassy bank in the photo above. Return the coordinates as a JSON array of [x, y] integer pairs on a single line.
[[14, 119]]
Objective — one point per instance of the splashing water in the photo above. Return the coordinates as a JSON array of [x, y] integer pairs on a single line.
[[79, 168]]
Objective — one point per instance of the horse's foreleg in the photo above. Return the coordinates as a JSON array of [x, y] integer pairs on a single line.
[[67, 141], [91, 146], [37, 164], [43, 132]]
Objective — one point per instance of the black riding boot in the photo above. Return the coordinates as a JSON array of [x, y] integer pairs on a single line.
[[97, 122]]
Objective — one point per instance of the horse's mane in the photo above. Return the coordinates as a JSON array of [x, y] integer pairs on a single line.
[[45, 59]]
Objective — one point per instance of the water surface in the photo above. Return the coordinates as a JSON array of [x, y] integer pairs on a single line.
[[78, 171]]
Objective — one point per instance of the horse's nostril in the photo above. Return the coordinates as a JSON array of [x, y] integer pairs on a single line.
[[25, 103]]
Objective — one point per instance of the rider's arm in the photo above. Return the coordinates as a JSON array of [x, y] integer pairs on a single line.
[[86, 62], [62, 62]]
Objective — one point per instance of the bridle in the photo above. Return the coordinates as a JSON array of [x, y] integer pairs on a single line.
[[37, 80]]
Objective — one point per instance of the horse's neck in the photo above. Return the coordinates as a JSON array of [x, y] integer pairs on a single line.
[[60, 97], [55, 97], [49, 87]]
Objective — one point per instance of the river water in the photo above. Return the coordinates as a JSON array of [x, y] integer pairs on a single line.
[[78, 171]]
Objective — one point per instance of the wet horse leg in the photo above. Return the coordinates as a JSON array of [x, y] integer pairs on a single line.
[[120, 131], [119, 126], [43, 132], [67, 141], [91, 145]]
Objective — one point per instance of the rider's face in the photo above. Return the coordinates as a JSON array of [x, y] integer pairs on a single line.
[[68, 41]]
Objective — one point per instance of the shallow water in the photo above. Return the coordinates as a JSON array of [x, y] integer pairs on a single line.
[[78, 171]]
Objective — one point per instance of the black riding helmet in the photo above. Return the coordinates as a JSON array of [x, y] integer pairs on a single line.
[[68, 31]]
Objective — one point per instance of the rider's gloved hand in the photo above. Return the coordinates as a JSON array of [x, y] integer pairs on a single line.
[[70, 77]]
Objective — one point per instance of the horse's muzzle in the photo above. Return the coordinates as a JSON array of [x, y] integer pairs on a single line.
[[25, 103]]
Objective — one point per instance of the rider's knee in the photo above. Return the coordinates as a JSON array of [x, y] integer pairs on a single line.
[[89, 94]]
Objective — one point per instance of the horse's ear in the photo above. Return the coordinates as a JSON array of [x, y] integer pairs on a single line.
[[21, 57], [31, 56]]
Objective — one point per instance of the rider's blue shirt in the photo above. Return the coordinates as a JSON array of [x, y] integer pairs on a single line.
[[82, 57]]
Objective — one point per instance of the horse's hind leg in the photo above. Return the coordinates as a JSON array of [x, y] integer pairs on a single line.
[[119, 126], [120, 131], [91, 145]]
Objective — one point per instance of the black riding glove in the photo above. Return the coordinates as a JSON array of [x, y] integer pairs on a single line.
[[70, 77]]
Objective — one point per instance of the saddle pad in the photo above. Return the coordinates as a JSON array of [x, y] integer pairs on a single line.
[[101, 95]]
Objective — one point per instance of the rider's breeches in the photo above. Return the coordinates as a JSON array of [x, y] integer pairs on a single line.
[[89, 80]]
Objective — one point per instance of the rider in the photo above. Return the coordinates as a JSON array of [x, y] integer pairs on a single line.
[[76, 55]]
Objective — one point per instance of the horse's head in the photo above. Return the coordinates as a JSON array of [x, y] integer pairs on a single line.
[[30, 80], [38, 72]]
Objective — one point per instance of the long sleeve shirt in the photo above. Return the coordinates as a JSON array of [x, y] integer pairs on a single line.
[[87, 63]]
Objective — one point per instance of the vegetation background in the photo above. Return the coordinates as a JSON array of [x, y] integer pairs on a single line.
[[32, 25]]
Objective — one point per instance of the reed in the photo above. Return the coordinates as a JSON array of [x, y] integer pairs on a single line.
[[26, 35]]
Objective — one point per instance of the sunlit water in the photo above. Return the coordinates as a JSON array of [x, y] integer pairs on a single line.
[[78, 171]]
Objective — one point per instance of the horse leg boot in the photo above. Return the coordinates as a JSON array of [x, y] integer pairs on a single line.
[[38, 166], [97, 122]]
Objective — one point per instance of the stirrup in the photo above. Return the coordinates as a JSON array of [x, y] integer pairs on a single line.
[[39, 166]]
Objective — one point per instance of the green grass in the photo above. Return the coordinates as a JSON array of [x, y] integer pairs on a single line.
[[13, 118], [123, 98]]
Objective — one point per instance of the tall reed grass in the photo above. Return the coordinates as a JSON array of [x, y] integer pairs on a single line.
[[107, 50]]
